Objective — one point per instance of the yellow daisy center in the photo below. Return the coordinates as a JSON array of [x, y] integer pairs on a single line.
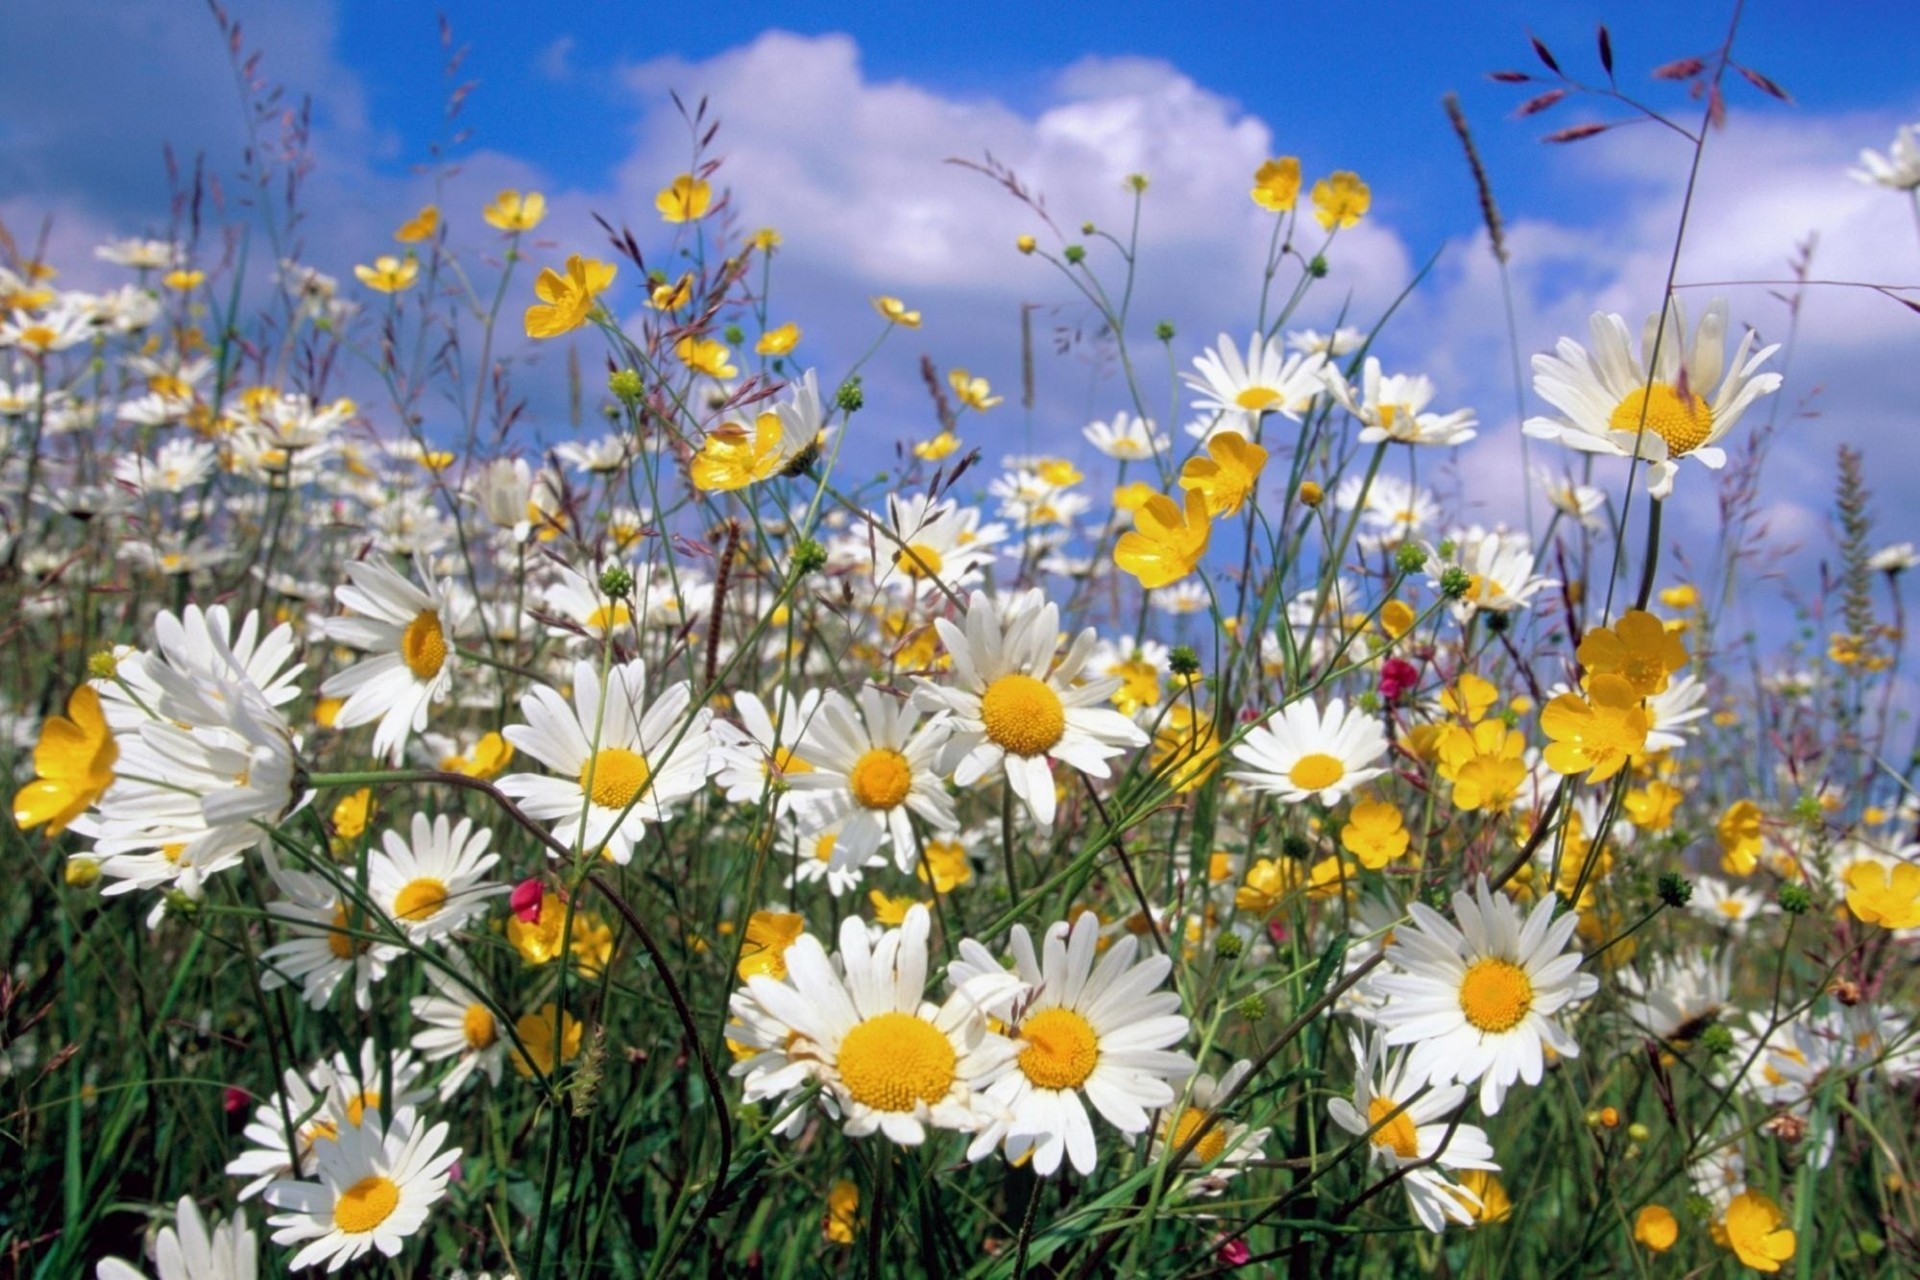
[[784, 762], [339, 941], [1257, 398], [1062, 1049], [880, 778], [1495, 995], [613, 776], [1397, 1133], [1211, 1144], [1023, 715], [420, 899], [478, 1028], [423, 645], [1684, 424], [357, 1105], [366, 1204], [174, 852], [609, 617], [1316, 771], [918, 560], [1732, 908], [823, 846], [895, 1061]]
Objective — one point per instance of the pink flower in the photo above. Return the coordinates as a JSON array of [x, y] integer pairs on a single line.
[[1397, 678], [234, 1099], [526, 899], [1234, 1253]]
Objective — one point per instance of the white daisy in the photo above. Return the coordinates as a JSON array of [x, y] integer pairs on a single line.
[[458, 1026], [373, 1189], [1420, 1131], [1394, 408], [323, 939], [188, 1251], [1672, 712], [1610, 400], [810, 853], [1303, 753], [1126, 438], [1499, 566], [1016, 711], [1239, 391], [1680, 996], [886, 1058], [1101, 1031], [1729, 906], [1476, 1002], [934, 547], [433, 884], [624, 763], [1226, 1148], [577, 597], [333, 1093], [1899, 169], [410, 631], [871, 767], [762, 750], [1583, 502]]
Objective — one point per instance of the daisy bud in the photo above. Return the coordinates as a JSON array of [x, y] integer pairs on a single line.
[[1317, 268], [809, 557], [1717, 1041], [1164, 331], [1183, 661], [1086, 228], [617, 581], [1410, 558], [1675, 891], [81, 872], [849, 398], [1794, 899], [1252, 1008], [1075, 254], [1228, 946], [626, 385], [526, 900], [1455, 582], [1026, 244]]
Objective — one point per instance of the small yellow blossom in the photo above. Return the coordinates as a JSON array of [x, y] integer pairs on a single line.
[[1131, 497], [490, 755], [1638, 648], [1684, 596], [1186, 748], [889, 910], [1397, 618], [551, 1037], [515, 211], [947, 864], [1596, 734], [1495, 1205], [706, 355], [766, 240], [896, 312], [1656, 1228], [1485, 764], [1888, 896], [671, 296], [1753, 1230], [1165, 545], [388, 274], [685, 199], [1738, 834], [973, 392], [769, 934], [1276, 184], [1470, 696], [1651, 807], [1026, 244], [943, 445], [779, 340], [352, 813], [1375, 833], [186, 278], [1266, 885], [568, 300], [420, 226], [1340, 200], [1228, 475], [72, 764], [843, 1212]]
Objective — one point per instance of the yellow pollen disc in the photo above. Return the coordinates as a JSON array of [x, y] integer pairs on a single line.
[[1023, 715], [1731, 908], [317, 1132], [423, 645], [613, 776], [365, 1205], [1257, 398], [1061, 1051], [1495, 995], [1211, 1144], [172, 852], [823, 847], [1683, 424], [918, 560], [895, 1061], [880, 779], [339, 941], [609, 617], [477, 1026], [419, 899], [1397, 1133], [1316, 771], [785, 762], [358, 1104]]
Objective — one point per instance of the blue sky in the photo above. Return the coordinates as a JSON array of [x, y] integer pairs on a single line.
[[837, 118]]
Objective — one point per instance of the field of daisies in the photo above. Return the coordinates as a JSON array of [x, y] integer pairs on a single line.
[[677, 851]]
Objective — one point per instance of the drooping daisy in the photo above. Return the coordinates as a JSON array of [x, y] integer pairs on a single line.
[[189, 1251], [1126, 438], [1476, 1002], [1610, 400], [1679, 997], [1228, 1146], [374, 1186], [886, 1058], [410, 630], [763, 749], [1899, 169], [1303, 753], [928, 547], [1729, 906], [1239, 391], [1394, 408], [810, 853], [1082, 1033], [1015, 710], [624, 763], [434, 883], [326, 939], [1419, 1133], [458, 1026], [871, 768]]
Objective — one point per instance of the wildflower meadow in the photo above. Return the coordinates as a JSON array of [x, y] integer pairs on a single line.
[[742, 832]]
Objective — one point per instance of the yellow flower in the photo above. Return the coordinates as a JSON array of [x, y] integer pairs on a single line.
[[1753, 1231], [183, 279], [1655, 1228], [1484, 764], [1227, 475], [1374, 833], [769, 934], [1276, 184], [891, 911], [843, 1212], [1888, 896], [671, 297], [72, 764], [1651, 807], [1684, 596], [706, 355], [1470, 696], [1638, 648], [1164, 545], [514, 211], [778, 341], [420, 226], [1738, 833], [941, 446], [352, 813], [1186, 748], [388, 274], [896, 312], [1397, 618], [946, 863], [1329, 877], [1131, 497], [730, 458], [490, 755], [1340, 200], [539, 941], [766, 240], [81, 871], [685, 199], [1139, 684], [1058, 472], [973, 392], [1597, 734], [1495, 1204], [568, 299], [551, 1037], [1026, 244]]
